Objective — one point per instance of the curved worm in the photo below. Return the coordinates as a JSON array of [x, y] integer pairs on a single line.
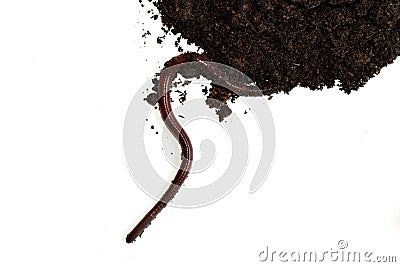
[[164, 102]]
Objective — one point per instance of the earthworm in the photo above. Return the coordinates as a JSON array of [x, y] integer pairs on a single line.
[[166, 77]]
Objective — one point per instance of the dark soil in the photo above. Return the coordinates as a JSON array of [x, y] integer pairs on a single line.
[[280, 44]]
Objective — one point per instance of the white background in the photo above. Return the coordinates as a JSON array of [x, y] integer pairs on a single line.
[[68, 71]]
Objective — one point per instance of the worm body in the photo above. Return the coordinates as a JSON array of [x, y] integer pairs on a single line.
[[166, 77]]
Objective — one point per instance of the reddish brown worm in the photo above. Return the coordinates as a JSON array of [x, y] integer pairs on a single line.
[[164, 102]]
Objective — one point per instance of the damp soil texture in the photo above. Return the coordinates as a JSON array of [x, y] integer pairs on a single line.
[[281, 44]]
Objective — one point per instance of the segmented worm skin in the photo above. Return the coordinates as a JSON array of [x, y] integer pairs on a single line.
[[164, 102]]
